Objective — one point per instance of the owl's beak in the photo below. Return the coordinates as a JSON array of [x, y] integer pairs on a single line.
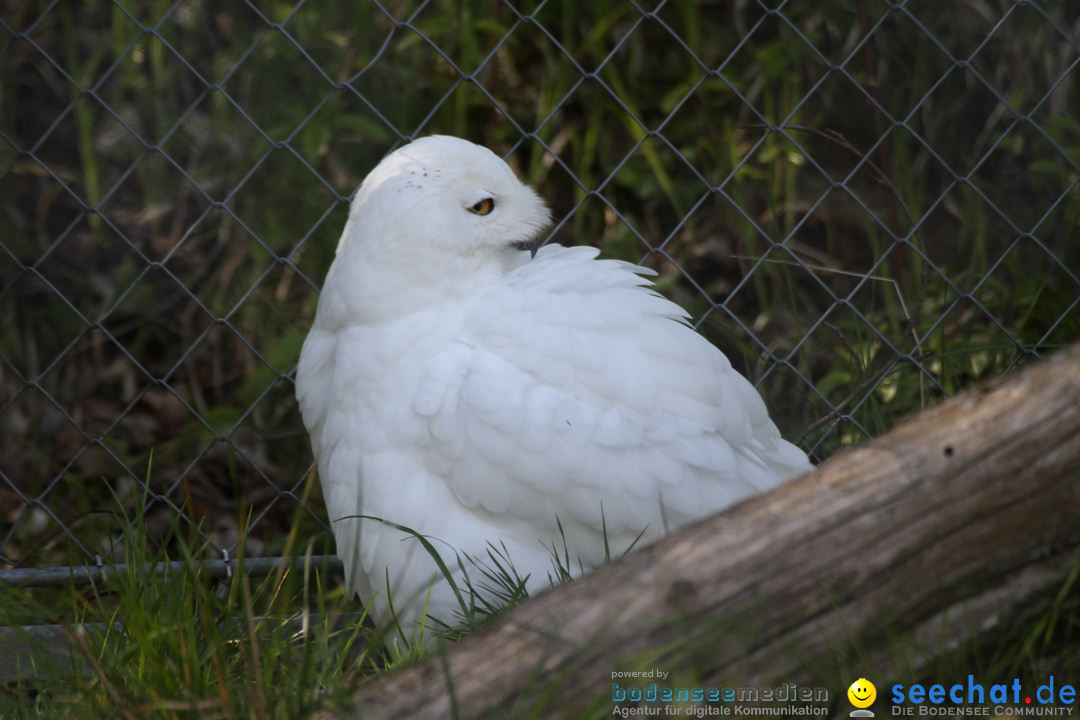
[[530, 245]]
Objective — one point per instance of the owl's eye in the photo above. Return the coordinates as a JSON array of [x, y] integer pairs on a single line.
[[484, 207]]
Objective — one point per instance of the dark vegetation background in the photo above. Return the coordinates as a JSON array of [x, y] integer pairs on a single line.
[[867, 205]]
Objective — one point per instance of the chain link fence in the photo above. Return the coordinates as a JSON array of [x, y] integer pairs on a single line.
[[868, 205]]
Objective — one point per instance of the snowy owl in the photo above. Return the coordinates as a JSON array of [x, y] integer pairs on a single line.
[[456, 385]]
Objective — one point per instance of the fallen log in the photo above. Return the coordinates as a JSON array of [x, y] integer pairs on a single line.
[[937, 533]]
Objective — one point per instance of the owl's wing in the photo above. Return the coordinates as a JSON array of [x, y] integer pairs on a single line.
[[577, 392], [317, 385]]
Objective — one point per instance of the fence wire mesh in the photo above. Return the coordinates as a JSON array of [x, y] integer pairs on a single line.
[[868, 205]]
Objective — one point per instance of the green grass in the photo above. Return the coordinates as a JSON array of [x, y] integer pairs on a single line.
[[185, 645]]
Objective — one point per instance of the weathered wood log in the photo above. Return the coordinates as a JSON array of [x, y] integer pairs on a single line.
[[934, 534]]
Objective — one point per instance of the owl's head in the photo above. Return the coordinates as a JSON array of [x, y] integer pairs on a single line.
[[445, 194]]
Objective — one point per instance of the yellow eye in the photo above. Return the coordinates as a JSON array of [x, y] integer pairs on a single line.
[[484, 207]]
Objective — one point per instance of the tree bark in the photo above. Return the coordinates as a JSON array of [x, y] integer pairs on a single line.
[[891, 553]]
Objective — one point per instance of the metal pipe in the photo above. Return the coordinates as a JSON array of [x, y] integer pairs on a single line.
[[87, 574]]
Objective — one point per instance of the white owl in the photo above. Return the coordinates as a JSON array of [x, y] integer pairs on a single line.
[[456, 385]]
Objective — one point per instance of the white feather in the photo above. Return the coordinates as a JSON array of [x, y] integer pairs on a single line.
[[454, 386]]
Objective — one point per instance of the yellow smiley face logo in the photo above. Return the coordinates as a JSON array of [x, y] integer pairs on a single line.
[[862, 693]]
